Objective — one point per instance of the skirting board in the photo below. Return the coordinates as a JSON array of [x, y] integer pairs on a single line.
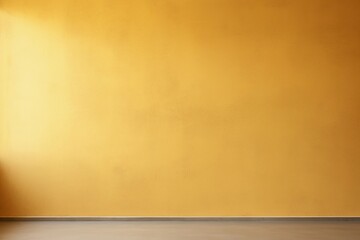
[[176, 218]]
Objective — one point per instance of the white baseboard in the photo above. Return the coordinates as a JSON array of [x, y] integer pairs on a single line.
[[179, 218]]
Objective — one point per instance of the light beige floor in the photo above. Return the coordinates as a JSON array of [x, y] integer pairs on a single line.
[[180, 230]]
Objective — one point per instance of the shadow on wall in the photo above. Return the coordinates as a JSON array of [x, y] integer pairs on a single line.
[[8, 201], [8, 205]]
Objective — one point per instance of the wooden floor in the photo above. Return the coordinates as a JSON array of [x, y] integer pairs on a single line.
[[153, 230]]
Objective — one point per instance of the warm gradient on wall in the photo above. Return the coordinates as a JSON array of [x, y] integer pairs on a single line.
[[180, 108]]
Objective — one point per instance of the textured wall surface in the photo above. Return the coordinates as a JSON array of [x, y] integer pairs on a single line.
[[180, 107]]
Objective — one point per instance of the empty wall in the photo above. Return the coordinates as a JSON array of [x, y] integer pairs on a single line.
[[180, 108]]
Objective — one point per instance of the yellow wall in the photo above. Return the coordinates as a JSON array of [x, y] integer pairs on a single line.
[[180, 107]]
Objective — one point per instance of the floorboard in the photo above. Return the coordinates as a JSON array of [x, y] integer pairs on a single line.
[[177, 230]]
